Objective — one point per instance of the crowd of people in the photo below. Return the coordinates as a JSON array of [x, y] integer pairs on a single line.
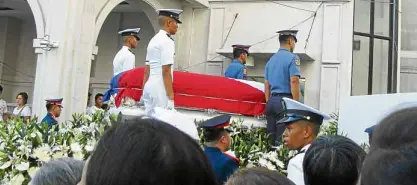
[[143, 150]]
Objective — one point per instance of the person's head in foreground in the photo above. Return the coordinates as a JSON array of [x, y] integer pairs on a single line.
[[392, 159], [302, 124], [333, 160], [216, 132], [258, 176], [397, 128], [149, 152], [63, 171]]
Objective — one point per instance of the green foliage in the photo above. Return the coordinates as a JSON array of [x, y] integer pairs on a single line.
[[25, 146]]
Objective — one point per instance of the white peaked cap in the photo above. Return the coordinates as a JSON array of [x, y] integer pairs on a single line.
[[175, 11], [130, 31]]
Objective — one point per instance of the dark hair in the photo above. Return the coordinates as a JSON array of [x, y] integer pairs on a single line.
[[213, 134], [397, 130], [49, 106], [1, 88], [390, 167], [392, 159], [25, 97], [284, 38], [258, 176], [98, 95], [237, 52], [148, 151], [333, 160]]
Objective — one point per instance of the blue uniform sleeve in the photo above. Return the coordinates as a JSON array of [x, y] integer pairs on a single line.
[[266, 71], [230, 167], [294, 66], [241, 74]]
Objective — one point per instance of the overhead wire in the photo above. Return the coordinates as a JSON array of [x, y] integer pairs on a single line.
[[312, 24], [302, 9], [224, 41]]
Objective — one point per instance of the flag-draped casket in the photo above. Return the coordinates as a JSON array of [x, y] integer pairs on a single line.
[[200, 91]]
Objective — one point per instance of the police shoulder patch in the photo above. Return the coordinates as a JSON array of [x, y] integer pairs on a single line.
[[297, 62]]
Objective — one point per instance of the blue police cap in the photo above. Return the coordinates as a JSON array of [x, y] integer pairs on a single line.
[[173, 13], [54, 101], [295, 111], [131, 32], [241, 47], [370, 130], [221, 122], [292, 33]]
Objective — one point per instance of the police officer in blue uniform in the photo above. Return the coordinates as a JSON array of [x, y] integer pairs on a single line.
[[302, 127], [54, 108], [282, 76], [217, 140], [237, 68]]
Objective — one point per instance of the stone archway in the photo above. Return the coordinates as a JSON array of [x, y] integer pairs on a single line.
[[149, 7], [38, 16], [116, 15], [23, 21]]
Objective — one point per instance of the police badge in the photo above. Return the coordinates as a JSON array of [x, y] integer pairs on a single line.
[[297, 62]]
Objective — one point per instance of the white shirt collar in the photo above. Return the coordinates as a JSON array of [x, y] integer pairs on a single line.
[[125, 47], [163, 31], [305, 148]]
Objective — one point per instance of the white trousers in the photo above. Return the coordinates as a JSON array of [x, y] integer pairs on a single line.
[[154, 95]]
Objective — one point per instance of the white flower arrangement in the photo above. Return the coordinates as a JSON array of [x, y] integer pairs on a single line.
[[25, 147]]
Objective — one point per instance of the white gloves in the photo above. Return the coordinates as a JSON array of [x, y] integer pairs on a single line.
[[170, 105]]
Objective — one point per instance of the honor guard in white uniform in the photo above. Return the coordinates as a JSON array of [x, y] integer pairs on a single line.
[[158, 76], [302, 127], [125, 58]]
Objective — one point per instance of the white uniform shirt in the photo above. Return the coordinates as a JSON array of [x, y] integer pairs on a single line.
[[3, 108], [93, 109], [123, 61], [160, 52], [295, 167], [23, 111]]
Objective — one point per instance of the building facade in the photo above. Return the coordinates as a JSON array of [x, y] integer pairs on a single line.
[[83, 41]]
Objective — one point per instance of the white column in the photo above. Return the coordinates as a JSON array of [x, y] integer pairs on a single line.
[[65, 71], [336, 55]]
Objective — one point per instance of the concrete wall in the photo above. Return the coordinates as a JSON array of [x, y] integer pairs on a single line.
[[408, 71], [199, 38], [18, 61], [327, 77]]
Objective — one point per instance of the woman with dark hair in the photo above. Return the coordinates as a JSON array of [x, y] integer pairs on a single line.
[[258, 176], [149, 152], [333, 160], [392, 159], [22, 110]]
